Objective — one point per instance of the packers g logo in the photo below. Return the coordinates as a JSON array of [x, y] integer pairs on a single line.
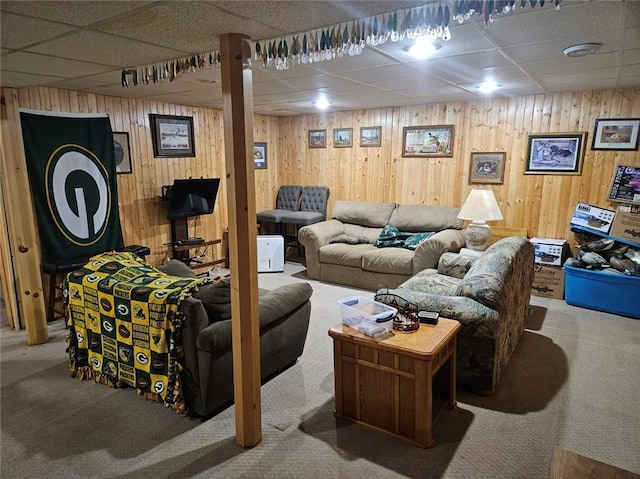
[[78, 194]]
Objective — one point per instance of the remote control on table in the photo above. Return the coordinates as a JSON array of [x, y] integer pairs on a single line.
[[428, 317]]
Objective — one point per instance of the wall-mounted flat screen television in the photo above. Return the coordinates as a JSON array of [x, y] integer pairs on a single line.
[[192, 197]]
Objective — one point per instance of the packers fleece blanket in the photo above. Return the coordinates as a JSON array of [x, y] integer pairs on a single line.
[[124, 325]]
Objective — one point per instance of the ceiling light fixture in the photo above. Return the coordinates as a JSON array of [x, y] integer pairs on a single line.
[[582, 49], [422, 48], [322, 104], [488, 86]]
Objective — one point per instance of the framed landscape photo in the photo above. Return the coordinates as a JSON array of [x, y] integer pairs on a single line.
[[427, 141], [342, 137], [487, 168], [317, 138], [260, 156], [555, 154], [625, 186], [122, 152], [370, 135], [172, 136], [616, 134]]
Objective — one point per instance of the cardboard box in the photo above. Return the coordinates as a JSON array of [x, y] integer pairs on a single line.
[[593, 218], [626, 224], [550, 251], [548, 281]]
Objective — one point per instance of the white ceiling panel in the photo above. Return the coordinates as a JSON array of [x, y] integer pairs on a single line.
[[84, 45]]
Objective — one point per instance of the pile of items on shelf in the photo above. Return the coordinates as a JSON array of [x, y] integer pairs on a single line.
[[607, 253]]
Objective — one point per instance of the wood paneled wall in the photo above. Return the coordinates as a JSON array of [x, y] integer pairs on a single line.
[[143, 215], [543, 204]]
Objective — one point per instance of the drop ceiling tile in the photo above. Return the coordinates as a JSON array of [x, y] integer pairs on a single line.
[[317, 81], [46, 65], [19, 80], [381, 74], [572, 65], [631, 57], [632, 14], [407, 82], [68, 11], [553, 50], [568, 79], [551, 24], [19, 31], [352, 90], [120, 52], [632, 38]]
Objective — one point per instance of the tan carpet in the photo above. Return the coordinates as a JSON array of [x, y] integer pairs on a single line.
[[572, 382]]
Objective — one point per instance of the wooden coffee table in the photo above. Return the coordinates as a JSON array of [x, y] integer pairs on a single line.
[[399, 384]]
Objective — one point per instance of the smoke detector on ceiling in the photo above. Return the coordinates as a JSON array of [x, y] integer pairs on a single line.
[[582, 49]]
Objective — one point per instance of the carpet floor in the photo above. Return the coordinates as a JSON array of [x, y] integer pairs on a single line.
[[572, 383]]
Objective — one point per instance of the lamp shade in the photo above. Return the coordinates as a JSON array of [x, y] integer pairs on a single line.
[[481, 205]]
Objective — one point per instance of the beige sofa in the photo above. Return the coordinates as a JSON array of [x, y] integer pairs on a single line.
[[363, 265]]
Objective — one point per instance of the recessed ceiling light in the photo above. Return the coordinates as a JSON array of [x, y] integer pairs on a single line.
[[488, 86], [322, 103], [582, 49], [422, 48]]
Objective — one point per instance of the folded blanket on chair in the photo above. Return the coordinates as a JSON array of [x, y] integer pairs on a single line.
[[124, 325]]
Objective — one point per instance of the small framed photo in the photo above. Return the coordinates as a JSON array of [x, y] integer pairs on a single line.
[[618, 134], [555, 154], [122, 152], [625, 186], [427, 141], [342, 137], [260, 156], [370, 135], [487, 168], [317, 138], [172, 136]]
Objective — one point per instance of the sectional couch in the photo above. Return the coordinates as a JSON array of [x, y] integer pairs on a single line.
[[343, 249]]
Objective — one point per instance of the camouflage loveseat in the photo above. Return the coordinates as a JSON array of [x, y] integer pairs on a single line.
[[488, 294]]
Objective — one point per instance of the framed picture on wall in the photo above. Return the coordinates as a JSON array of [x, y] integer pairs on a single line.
[[427, 141], [317, 138], [555, 154], [487, 168], [618, 134], [260, 156], [370, 135], [122, 152], [343, 137], [172, 136]]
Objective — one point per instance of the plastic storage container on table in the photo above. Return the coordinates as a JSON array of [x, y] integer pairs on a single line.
[[367, 316], [603, 291]]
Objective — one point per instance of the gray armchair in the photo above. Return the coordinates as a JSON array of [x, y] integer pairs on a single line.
[[207, 376], [287, 201]]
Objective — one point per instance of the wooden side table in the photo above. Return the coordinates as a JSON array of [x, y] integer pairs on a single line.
[[399, 384]]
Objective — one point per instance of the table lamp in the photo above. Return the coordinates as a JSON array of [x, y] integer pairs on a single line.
[[481, 206]]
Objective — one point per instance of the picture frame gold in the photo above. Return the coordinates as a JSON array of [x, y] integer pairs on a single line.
[[487, 167], [370, 136], [427, 141], [342, 137], [317, 138]]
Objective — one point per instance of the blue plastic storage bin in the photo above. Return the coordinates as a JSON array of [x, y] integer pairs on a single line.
[[602, 291]]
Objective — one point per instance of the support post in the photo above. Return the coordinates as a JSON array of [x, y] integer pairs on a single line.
[[23, 244], [237, 95]]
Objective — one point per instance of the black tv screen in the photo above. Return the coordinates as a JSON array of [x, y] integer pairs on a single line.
[[192, 197]]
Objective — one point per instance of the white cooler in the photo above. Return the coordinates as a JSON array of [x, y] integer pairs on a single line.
[[270, 253]]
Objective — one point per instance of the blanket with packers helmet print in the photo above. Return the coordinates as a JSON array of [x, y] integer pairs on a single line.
[[124, 325]]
